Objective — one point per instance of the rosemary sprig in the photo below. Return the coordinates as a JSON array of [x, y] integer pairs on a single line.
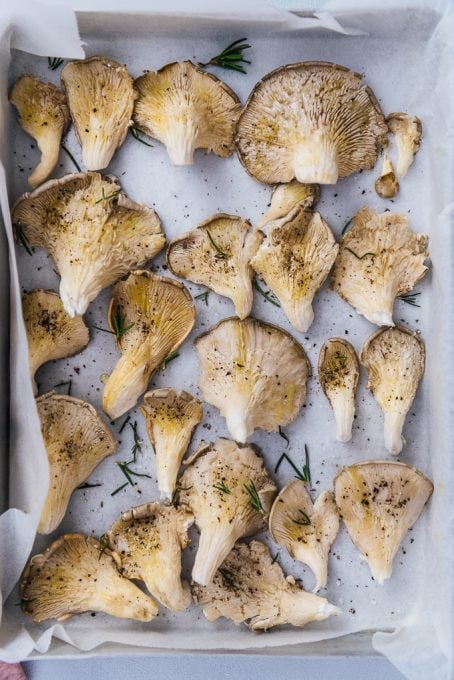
[[54, 62], [114, 493], [266, 295], [128, 473], [177, 491], [220, 486], [69, 154], [346, 226], [360, 257], [104, 545], [305, 475], [69, 383], [231, 57], [170, 357], [118, 323], [284, 436], [20, 237], [305, 520], [136, 134], [106, 197], [220, 255], [203, 296], [125, 422], [255, 498], [137, 446], [87, 485], [410, 299]]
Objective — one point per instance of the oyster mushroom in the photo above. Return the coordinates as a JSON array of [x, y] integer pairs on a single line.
[[51, 332], [294, 260], [77, 574], [394, 359], [217, 255], [250, 588], [187, 109], [254, 373], [387, 185], [44, 115], [94, 233], [313, 121], [230, 493], [285, 197], [76, 441], [407, 131], [149, 540], [338, 371], [379, 258], [379, 501], [101, 96], [171, 418], [157, 315]]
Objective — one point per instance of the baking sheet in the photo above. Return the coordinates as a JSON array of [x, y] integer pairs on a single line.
[[403, 73]]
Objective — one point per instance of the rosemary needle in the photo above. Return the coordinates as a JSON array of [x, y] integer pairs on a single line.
[[231, 57]]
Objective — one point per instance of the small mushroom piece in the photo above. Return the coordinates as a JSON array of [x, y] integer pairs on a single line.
[[294, 260], [230, 494], [379, 501], [250, 588], [94, 233], [217, 254], [171, 418], [286, 197], [187, 109], [387, 185], [254, 373], [338, 371], [394, 359], [313, 121], [101, 96], [44, 115], [307, 530], [77, 574], [51, 333], [407, 131], [76, 441], [379, 258], [151, 317], [149, 540]]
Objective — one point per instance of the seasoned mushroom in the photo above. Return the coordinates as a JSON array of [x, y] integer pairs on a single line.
[[314, 121], [394, 359], [76, 441], [407, 131], [150, 539], [379, 258], [187, 109], [294, 260], [44, 115], [250, 588], [77, 574], [379, 501], [230, 493], [94, 233], [51, 332], [387, 185], [101, 98], [254, 373], [151, 317], [307, 530], [217, 254], [171, 418], [338, 371], [285, 197]]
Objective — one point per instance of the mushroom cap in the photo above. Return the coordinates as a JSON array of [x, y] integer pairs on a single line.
[[307, 530], [171, 418], [379, 501], [338, 371], [254, 373], [150, 539], [407, 132], [51, 332], [230, 494], [379, 258], [76, 574], [186, 109], [76, 441], [101, 96], [94, 233], [314, 121], [217, 254], [285, 197], [294, 260], [394, 359], [250, 588], [161, 314], [387, 185], [44, 115]]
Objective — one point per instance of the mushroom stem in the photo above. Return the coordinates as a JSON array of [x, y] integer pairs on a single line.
[[237, 422], [299, 313], [314, 160], [344, 412], [98, 154], [301, 607], [214, 546], [317, 563], [381, 567], [129, 380], [394, 423], [381, 318], [75, 298], [181, 142], [49, 145]]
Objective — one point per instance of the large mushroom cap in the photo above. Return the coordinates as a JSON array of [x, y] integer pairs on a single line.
[[187, 109], [77, 574], [313, 121], [394, 359], [217, 254], [379, 258], [44, 115], [407, 132], [157, 314], [76, 440], [285, 197], [51, 332], [101, 98], [379, 501], [94, 233], [254, 373]]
